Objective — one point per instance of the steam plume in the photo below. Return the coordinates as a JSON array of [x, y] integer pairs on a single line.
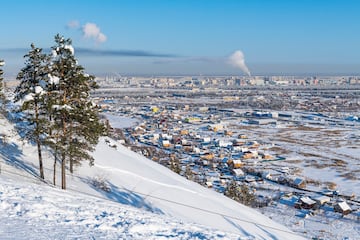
[[89, 30], [237, 60]]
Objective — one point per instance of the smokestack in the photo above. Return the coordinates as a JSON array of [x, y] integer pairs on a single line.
[[237, 60]]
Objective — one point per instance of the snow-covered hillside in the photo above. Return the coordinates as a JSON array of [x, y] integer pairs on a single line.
[[169, 206], [36, 211]]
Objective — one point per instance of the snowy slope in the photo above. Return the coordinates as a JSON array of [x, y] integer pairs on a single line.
[[133, 180], [175, 196], [34, 211]]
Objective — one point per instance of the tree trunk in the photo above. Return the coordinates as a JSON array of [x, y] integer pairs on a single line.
[[70, 152], [64, 141], [71, 165], [41, 168], [54, 170], [63, 175], [40, 159]]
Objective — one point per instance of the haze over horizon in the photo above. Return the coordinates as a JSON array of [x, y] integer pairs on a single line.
[[190, 37]]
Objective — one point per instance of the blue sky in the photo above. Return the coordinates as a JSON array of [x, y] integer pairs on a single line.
[[190, 37]]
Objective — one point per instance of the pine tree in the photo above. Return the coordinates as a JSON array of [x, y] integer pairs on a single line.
[[30, 92], [76, 125], [2, 96], [189, 173], [175, 164], [239, 193]]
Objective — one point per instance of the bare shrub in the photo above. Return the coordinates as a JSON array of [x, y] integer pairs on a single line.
[[279, 150], [100, 182], [339, 162], [331, 185], [313, 181], [349, 176]]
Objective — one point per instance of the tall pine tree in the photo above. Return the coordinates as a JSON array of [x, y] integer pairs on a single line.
[[30, 93], [75, 122]]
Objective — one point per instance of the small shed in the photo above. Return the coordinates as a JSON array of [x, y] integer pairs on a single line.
[[228, 133], [322, 199], [250, 179], [236, 163], [248, 155], [307, 203], [208, 156], [206, 139], [342, 207], [184, 132], [266, 175], [299, 183], [156, 136], [238, 172], [166, 143]]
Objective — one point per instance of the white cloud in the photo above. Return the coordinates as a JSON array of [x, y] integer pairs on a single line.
[[101, 37], [73, 24], [92, 31], [237, 59]]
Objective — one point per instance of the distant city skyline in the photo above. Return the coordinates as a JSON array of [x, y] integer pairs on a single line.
[[190, 37]]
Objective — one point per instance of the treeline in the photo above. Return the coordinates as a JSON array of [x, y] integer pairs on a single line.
[[54, 98]]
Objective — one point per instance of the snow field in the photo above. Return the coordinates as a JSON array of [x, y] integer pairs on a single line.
[[35, 211]]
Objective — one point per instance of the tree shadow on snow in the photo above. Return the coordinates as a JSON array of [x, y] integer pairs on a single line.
[[242, 230], [12, 154], [246, 233], [122, 195]]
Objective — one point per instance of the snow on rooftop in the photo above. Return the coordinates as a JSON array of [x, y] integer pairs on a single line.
[[344, 206], [323, 199], [238, 172], [307, 200]]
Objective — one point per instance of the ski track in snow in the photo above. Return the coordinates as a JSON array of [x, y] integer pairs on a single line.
[[146, 179]]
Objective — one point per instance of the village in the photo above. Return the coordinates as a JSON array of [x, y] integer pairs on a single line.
[[211, 146]]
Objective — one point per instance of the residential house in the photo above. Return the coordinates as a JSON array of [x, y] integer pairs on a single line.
[[298, 183], [235, 163], [208, 156], [321, 200], [342, 207], [307, 203], [248, 155], [166, 143], [238, 172], [266, 175]]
